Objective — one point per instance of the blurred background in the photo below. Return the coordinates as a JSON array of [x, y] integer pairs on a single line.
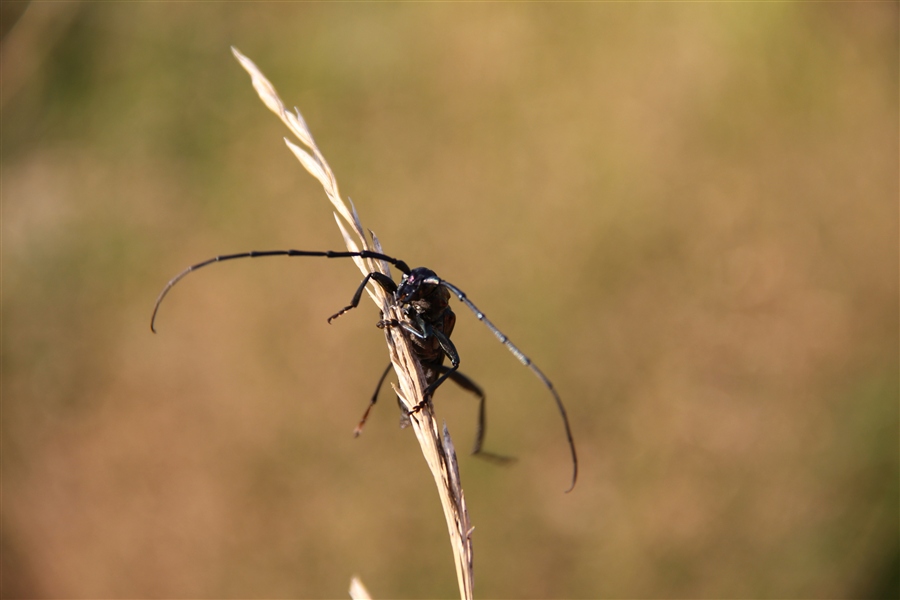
[[686, 214]]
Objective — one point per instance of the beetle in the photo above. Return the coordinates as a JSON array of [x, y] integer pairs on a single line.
[[424, 301]]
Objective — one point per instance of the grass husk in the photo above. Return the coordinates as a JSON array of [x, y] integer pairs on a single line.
[[436, 445]]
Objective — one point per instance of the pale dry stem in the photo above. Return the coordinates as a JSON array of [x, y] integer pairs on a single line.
[[437, 448]]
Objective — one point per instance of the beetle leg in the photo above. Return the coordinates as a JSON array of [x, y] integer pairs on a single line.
[[386, 283], [467, 384], [372, 402], [450, 350]]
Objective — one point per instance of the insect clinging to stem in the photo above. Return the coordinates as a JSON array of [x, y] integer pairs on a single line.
[[423, 298]]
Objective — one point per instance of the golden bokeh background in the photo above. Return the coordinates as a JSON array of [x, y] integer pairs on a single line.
[[686, 214]]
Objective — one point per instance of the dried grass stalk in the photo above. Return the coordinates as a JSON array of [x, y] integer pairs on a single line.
[[437, 448], [357, 590]]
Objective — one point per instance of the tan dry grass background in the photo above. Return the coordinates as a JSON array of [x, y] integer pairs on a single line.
[[686, 214]]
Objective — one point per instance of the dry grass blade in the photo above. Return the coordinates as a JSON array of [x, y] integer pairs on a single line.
[[436, 448], [314, 163], [358, 591]]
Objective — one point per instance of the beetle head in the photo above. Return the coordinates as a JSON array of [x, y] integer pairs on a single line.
[[417, 283]]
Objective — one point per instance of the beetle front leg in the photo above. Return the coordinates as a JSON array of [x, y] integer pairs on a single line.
[[450, 350], [386, 283], [407, 327], [424, 333]]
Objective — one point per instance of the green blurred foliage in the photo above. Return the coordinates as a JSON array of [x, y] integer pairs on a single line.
[[687, 214]]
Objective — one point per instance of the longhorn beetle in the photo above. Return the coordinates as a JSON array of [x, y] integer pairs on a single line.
[[424, 299]]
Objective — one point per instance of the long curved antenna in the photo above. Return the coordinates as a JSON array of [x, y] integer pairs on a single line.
[[527, 362], [260, 253]]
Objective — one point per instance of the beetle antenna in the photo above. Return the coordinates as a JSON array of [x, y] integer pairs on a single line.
[[527, 362], [261, 253]]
